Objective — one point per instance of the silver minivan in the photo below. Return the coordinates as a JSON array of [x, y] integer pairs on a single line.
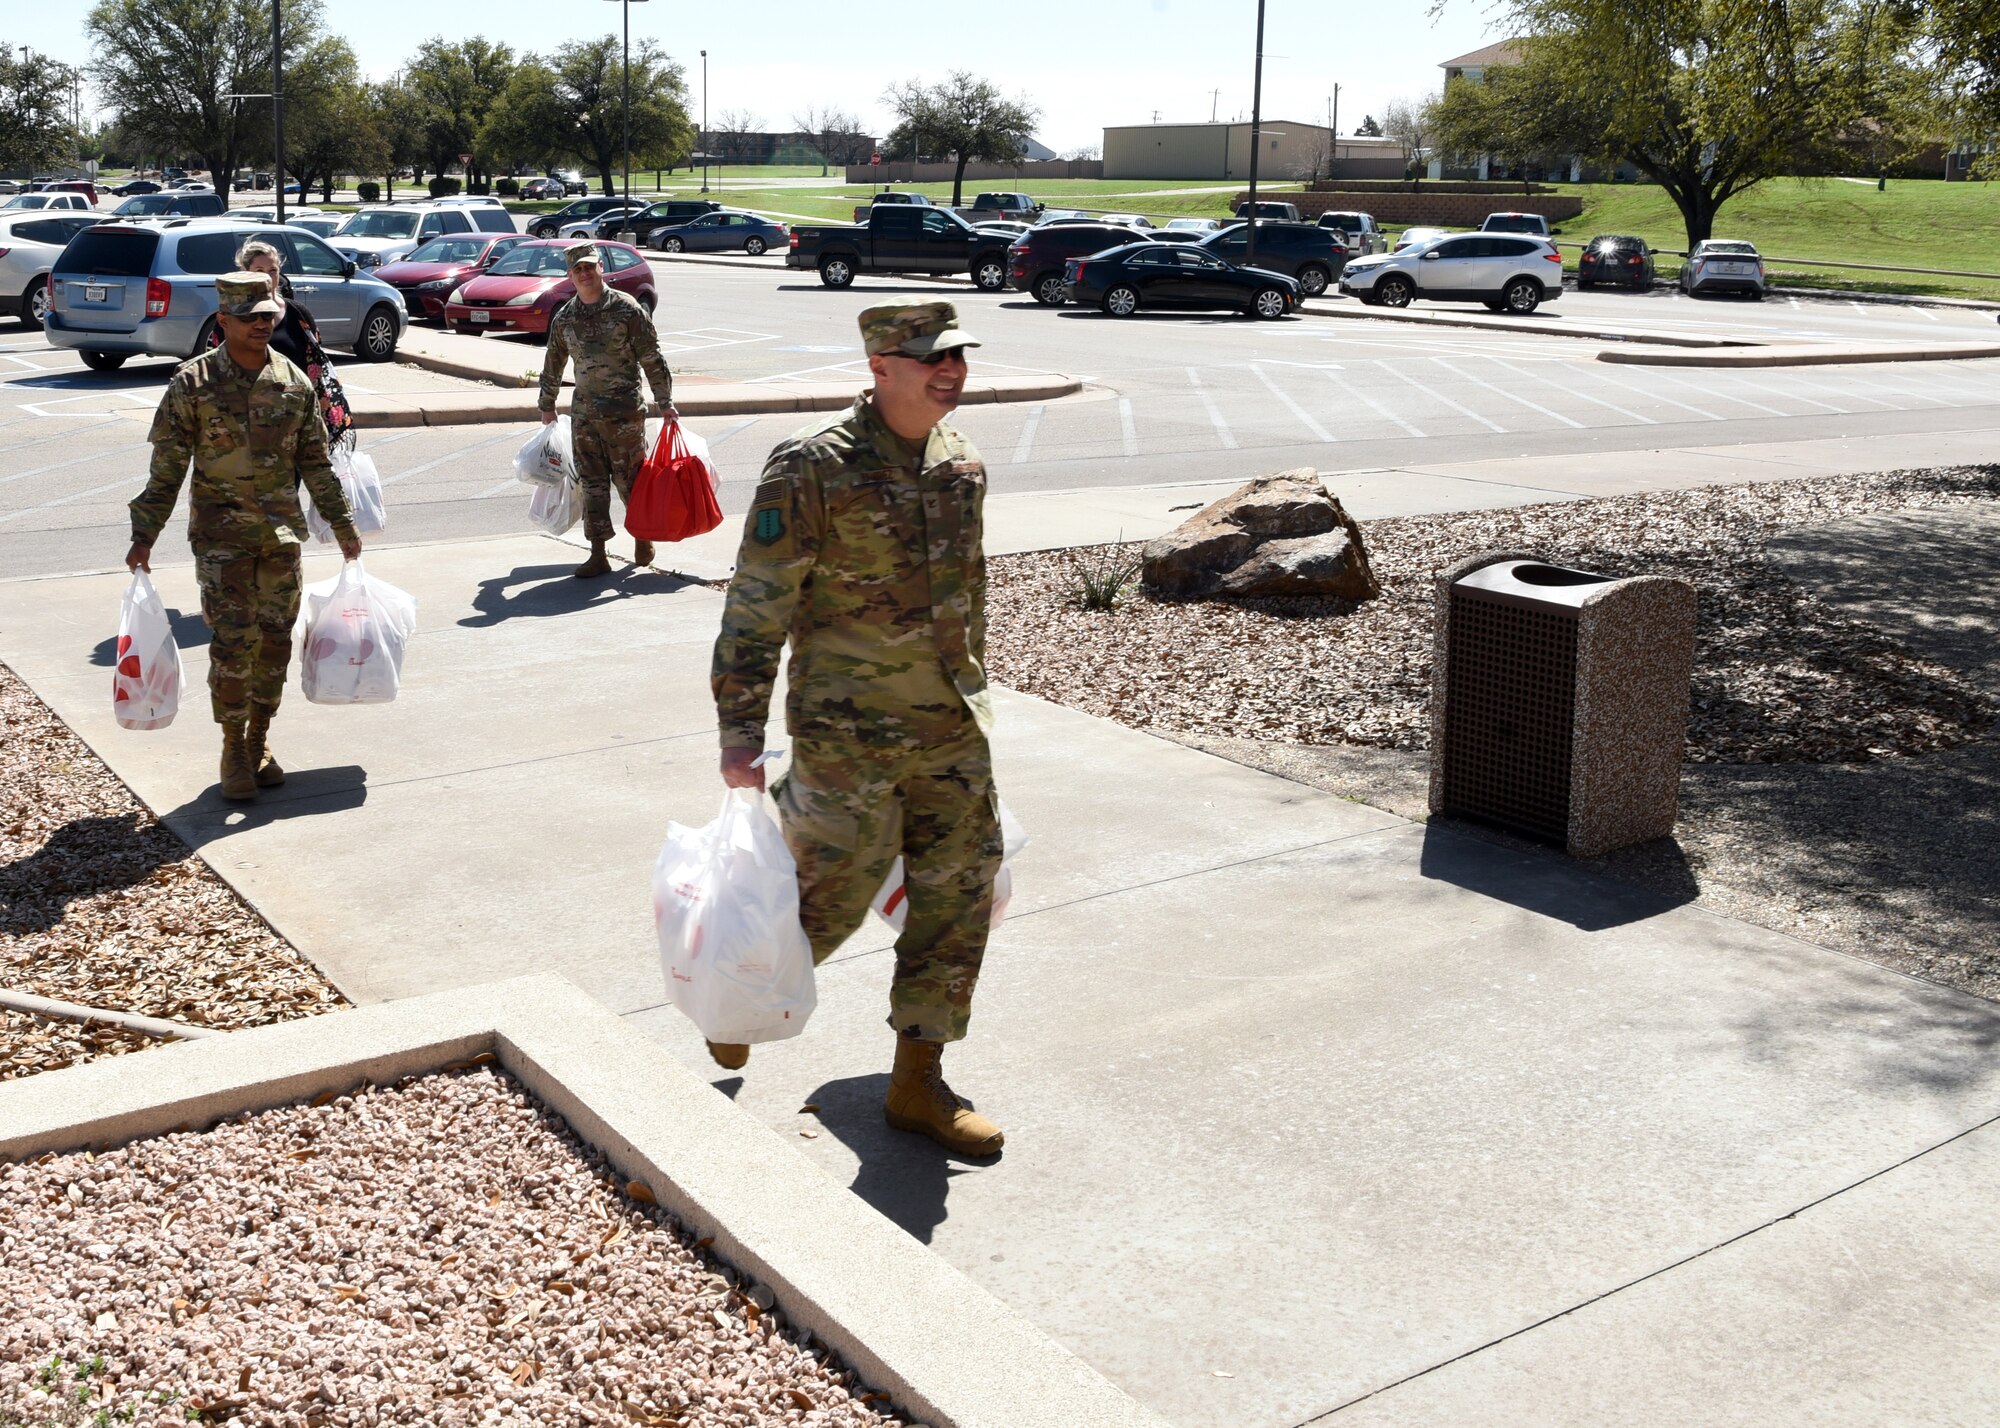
[[124, 290]]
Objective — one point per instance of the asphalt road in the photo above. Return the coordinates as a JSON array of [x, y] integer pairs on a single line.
[[1183, 397]]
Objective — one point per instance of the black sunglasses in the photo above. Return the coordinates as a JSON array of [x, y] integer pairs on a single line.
[[930, 359]]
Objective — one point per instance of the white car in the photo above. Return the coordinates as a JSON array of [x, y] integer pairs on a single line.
[[1508, 272], [30, 243], [268, 213], [389, 232], [45, 200], [1129, 220], [1418, 237], [1724, 265], [588, 227]]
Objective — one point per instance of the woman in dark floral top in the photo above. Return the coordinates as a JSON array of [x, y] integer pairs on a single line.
[[297, 336]]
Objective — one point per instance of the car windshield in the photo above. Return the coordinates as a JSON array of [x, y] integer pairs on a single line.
[[1514, 223], [325, 227], [144, 204], [1730, 249], [531, 262], [449, 250], [379, 225]]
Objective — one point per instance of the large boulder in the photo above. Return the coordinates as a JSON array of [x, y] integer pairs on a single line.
[[1279, 535]]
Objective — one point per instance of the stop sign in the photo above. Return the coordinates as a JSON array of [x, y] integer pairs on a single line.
[[875, 159]]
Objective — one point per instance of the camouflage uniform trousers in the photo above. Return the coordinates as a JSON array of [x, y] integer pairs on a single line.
[[250, 603], [608, 451], [848, 810]]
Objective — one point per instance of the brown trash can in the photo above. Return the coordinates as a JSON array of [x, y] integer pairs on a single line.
[[1559, 700]]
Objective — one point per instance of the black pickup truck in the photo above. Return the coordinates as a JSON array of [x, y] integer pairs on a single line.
[[901, 239]]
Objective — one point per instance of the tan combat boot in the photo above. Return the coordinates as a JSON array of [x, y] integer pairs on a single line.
[[239, 780], [729, 1055], [266, 769], [919, 1101], [642, 552], [598, 564]]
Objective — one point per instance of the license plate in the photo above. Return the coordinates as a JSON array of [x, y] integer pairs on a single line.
[[94, 293], [1732, 267], [478, 316]]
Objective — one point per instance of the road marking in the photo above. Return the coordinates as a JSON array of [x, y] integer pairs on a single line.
[[1305, 417], [1903, 391], [61, 465], [1825, 383], [1502, 391], [1642, 392], [1924, 312], [1375, 406], [123, 484], [1128, 434], [1570, 391], [1027, 442], [1440, 396], [66, 436], [1222, 432], [512, 435], [729, 431], [1663, 376]]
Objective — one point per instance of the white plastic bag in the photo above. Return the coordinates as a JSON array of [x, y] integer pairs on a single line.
[[146, 685], [726, 906], [892, 902], [556, 508], [545, 459], [361, 483], [356, 631]]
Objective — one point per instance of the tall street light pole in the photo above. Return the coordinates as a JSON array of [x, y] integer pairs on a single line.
[[1256, 136], [278, 108], [704, 121], [627, 4]]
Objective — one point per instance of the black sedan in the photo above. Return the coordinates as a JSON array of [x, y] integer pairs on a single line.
[[1176, 276], [1617, 260], [136, 186]]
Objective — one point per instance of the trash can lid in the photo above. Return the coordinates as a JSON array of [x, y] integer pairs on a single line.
[[1535, 584]]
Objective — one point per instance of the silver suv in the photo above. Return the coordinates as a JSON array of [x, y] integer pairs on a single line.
[[390, 232], [1358, 230], [124, 290], [30, 243], [1507, 273]]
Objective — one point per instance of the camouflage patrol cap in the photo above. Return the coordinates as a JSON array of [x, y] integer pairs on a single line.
[[582, 253], [245, 295], [914, 329]]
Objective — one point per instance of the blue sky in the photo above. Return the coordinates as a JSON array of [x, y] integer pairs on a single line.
[[1086, 65]]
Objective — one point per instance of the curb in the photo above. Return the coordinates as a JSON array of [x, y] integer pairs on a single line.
[[1534, 325], [694, 400], [1796, 356]]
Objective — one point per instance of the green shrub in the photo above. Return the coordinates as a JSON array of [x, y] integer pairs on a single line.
[[507, 188], [1097, 581], [444, 186], [478, 190], [368, 191]]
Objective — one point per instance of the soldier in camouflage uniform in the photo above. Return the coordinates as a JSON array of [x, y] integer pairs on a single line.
[[609, 337], [864, 546], [249, 422]]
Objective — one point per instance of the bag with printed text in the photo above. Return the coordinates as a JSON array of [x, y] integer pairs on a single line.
[[361, 483], [356, 630], [546, 459], [146, 685], [892, 903]]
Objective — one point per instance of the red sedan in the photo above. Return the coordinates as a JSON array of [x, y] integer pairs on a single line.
[[522, 291], [426, 278]]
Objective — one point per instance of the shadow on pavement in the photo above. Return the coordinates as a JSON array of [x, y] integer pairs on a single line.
[[904, 1177], [209, 817], [1545, 881], [124, 379], [553, 590], [84, 857], [190, 633]]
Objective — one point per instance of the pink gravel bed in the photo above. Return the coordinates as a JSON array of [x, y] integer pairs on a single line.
[[441, 1252]]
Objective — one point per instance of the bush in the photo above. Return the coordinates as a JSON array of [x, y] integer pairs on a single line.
[[1099, 583], [508, 188], [444, 187], [368, 191], [478, 190]]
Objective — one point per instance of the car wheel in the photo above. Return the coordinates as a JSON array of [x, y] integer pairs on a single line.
[[648, 302], [1313, 279], [1522, 296], [1495, 305], [754, 247], [103, 361], [206, 338], [377, 342], [35, 303], [1121, 301], [674, 245], [1394, 291], [836, 272], [989, 275], [1756, 294], [543, 230], [1269, 302], [1049, 290]]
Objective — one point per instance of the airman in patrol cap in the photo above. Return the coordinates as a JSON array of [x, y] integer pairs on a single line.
[[249, 422], [864, 547], [610, 337]]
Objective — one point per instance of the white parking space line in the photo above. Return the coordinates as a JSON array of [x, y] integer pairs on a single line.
[[63, 465], [1901, 390], [1510, 396], [1655, 396], [1924, 312], [1373, 405], [1718, 394], [1822, 381], [731, 430], [1440, 396], [511, 434], [1305, 417], [72, 434], [126, 483], [1571, 391], [1222, 432], [1026, 445], [1128, 433]]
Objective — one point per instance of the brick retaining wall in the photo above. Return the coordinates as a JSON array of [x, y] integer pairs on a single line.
[[1440, 210]]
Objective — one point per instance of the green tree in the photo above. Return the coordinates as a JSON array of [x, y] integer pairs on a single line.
[[572, 105], [455, 86], [34, 110], [165, 68], [1409, 124], [1368, 128], [965, 116], [399, 119], [331, 124], [1706, 98]]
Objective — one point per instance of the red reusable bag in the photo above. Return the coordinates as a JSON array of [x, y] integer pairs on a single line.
[[673, 496]]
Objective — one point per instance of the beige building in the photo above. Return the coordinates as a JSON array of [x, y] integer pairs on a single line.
[[1291, 151]]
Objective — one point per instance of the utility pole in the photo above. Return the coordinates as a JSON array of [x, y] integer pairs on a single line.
[[1333, 127], [277, 114], [1214, 98], [1256, 136], [704, 121]]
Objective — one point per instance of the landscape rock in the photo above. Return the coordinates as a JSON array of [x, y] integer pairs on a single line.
[[1278, 535]]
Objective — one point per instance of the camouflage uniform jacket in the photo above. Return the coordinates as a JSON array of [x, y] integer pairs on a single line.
[[868, 554], [609, 344], [253, 436]]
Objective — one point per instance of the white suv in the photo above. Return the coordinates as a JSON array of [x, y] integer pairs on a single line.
[[389, 232], [1506, 272], [30, 243]]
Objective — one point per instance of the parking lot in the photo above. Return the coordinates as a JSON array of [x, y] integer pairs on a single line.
[[1169, 397]]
